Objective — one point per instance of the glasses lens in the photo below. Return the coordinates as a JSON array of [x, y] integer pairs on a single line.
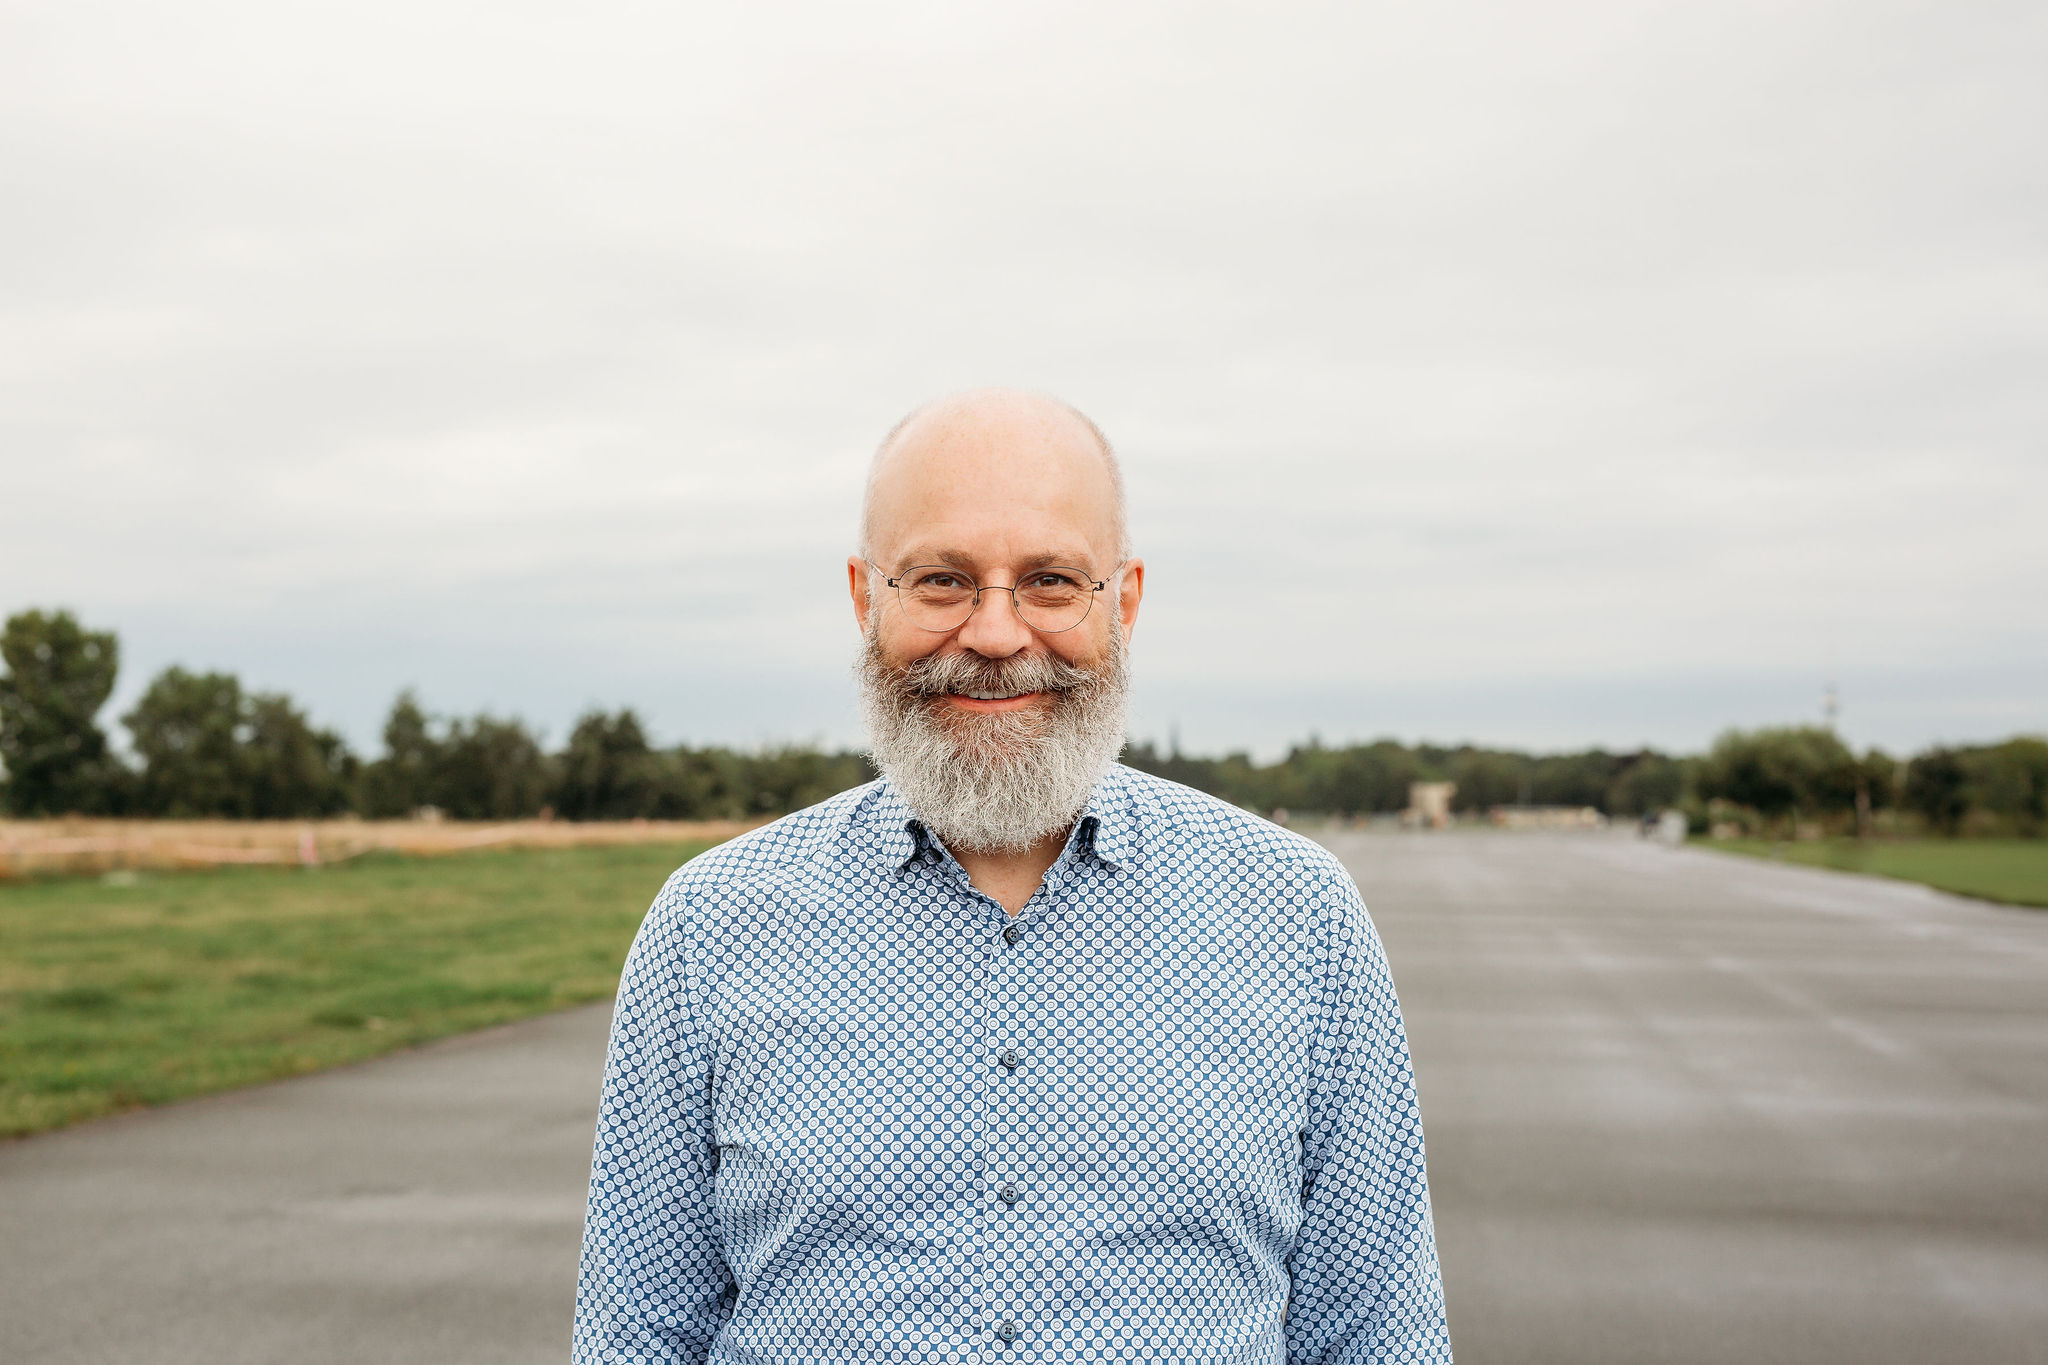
[[1053, 600], [936, 598]]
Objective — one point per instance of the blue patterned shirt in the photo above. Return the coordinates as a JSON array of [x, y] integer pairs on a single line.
[[854, 1111]]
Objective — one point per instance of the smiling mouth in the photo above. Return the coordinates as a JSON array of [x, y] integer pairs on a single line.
[[983, 694]]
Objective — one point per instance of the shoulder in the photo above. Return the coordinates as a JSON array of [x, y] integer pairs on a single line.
[[1188, 828], [731, 893], [745, 877], [795, 844], [1286, 895], [789, 841]]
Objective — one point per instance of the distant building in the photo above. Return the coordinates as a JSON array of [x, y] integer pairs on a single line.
[[1429, 804], [1547, 817]]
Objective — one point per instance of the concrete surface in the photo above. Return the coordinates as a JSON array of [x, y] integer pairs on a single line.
[[423, 1208], [1680, 1108], [1683, 1107]]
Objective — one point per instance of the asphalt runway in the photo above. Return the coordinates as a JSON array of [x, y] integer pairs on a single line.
[[1684, 1107], [1680, 1107], [422, 1209]]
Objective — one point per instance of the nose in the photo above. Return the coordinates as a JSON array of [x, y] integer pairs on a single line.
[[993, 629]]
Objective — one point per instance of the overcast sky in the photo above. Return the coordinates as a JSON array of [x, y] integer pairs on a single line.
[[1533, 374]]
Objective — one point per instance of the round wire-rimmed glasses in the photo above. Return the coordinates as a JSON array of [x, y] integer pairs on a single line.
[[938, 597]]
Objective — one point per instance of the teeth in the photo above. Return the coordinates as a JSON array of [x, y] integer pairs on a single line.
[[990, 696]]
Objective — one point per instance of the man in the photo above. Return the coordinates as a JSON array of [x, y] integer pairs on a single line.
[[1016, 1054]]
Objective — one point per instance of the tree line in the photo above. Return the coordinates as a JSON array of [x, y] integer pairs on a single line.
[[202, 745], [1765, 781]]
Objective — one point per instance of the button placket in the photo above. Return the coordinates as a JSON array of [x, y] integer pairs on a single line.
[[1007, 1120], [981, 1229]]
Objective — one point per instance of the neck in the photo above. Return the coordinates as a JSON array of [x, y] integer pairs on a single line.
[[1010, 878]]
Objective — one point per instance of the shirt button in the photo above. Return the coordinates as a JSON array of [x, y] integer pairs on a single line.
[[1010, 1059], [1007, 1333], [1011, 934], [1008, 1193]]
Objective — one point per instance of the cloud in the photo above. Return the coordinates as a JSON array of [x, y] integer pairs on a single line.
[[530, 356]]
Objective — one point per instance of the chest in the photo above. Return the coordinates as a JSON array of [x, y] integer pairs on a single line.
[[894, 1072]]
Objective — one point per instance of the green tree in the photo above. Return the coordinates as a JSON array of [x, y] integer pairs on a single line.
[[187, 728], [289, 768], [483, 768], [1803, 770], [607, 771], [1877, 772], [696, 784], [58, 675], [1936, 784], [397, 784], [1487, 778], [1580, 779], [790, 778], [2009, 782], [1650, 782], [489, 769]]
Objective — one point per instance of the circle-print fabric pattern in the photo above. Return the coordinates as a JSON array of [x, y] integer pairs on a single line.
[[854, 1111]]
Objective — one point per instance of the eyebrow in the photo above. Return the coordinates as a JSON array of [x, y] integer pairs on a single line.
[[954, 559]]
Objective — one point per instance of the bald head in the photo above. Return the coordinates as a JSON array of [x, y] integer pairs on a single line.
[[1027, 460]]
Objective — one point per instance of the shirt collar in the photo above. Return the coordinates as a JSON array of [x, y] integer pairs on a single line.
[[899, 838], [1109, 823], [1106, 830]]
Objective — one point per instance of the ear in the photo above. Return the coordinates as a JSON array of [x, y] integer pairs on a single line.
[[1130, 592], [857, 584]]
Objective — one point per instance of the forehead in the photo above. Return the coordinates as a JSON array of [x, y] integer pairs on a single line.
[[1005, 486]]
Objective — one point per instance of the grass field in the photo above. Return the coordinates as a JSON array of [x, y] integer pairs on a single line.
[[141, 990], [2011, 870]]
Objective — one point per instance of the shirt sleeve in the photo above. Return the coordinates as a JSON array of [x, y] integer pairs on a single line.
[[1366, 1286], [654, 1287]]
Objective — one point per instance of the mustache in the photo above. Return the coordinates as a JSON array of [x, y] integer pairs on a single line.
[[935, 675]]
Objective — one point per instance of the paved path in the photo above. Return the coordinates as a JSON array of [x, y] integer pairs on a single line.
[[422, 1209], [1681, 1108]]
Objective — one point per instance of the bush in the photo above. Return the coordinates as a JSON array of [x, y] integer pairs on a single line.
[[1781, 773], [2008, 784], [1935, 789]]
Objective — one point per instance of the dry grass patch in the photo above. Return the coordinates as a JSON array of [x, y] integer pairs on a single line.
[[75, 845]]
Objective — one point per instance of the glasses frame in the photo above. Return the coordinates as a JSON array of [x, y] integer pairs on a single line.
[[974, 604]]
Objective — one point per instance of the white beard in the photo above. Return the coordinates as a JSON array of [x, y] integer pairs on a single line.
[[994, 782]]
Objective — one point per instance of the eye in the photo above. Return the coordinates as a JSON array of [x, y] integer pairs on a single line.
[[937, 581]]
